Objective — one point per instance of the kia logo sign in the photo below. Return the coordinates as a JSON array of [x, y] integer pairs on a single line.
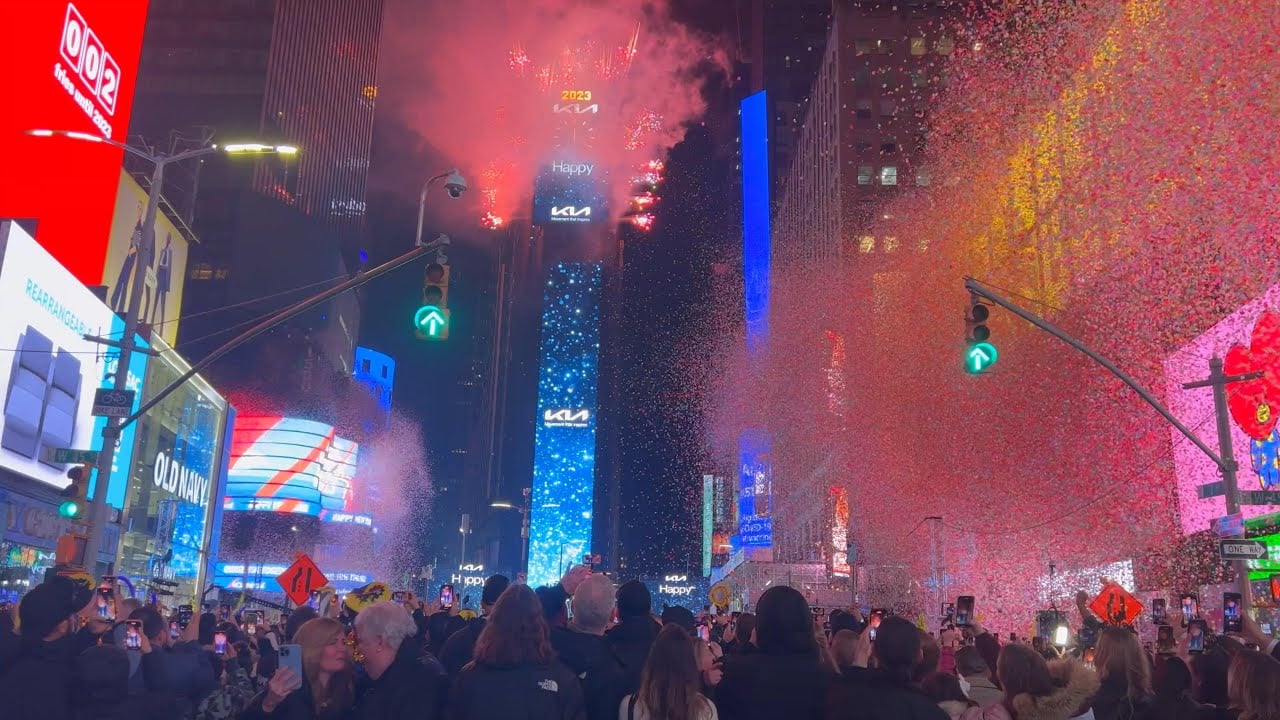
[[575, 108], [571, 213], [565, 418]]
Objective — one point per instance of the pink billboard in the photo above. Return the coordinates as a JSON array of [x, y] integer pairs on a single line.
[[1257, 459]]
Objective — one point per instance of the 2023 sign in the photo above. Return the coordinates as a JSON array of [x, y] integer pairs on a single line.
[[583, 95]]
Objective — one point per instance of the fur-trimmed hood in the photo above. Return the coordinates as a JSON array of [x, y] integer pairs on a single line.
[[1077, 686]]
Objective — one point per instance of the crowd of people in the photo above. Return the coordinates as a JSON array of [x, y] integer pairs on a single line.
[[585, 650]]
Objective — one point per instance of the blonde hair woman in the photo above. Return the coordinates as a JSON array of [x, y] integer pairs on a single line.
[[325, 692]]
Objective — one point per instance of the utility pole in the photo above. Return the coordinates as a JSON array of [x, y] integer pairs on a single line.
[[1217, 380]]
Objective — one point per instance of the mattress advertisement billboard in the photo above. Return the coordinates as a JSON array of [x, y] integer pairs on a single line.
[[290, 465]]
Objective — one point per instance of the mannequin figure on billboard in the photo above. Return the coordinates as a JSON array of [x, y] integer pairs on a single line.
[[164, 267], [120, 293]]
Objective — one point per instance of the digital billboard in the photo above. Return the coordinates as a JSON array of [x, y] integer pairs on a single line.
[[565, 436], [570, 190], [164, 278], [755, 490], [1257, 459], [49, 371], [262, 577], [68, 66], [678, 589], [290, 465]]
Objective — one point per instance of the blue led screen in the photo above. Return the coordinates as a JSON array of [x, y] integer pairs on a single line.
[[569, 190], [564, 454], [756, 236]]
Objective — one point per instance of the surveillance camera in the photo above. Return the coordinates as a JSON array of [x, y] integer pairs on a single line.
[[455, 184]]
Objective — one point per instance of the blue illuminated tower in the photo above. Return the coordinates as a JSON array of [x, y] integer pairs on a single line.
[[564, 462]]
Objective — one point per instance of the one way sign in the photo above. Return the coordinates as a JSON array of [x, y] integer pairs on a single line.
[[301, 578], [1242, 549]]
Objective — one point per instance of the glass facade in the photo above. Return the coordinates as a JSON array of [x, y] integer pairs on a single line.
[[173, 483]]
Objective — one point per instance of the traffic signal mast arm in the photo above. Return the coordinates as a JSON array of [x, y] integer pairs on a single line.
[[977, 288]]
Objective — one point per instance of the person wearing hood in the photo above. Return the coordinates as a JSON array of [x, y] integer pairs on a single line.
[[634, 634], [887, 692], [786, 678], [1038, 690], [36, 682], [398, 686], [101, 689], [461, 645], [515, 670], [975, 677], [582, 648]]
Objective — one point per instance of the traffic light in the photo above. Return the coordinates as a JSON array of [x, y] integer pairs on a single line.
[[73, 506], [980, 354], [431, 321]]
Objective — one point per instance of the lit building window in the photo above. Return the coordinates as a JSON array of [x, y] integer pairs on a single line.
[[944, 46], [889, 243], [922, 176], [202, 271], [864, 174], [919, 46], [863, 46], [866, 243], [884, 47], [220, 273], [889, 175]]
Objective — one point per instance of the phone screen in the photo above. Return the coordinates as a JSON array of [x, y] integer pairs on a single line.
[[220, 643], [175, 629], [704, 633], [1196, 630], [1158, 607], [964, 610], [1265, 627], [446, 596], [877, 617], [1164, 640], [1190, 609], [132, 636], [1231, 619], [184, 615]]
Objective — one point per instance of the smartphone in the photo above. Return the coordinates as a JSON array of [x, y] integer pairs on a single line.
[[104, 604], [877, 616], [220, 643], [184, 615], [446, 596], [133, 634], [175, 629], [291, 657], [1164, 640], [399, 596], [704, 633], [1158, 611], [1196, 630], [1275, 588], [872, 630], [1231, 618], [1265, 628], [964, 610], [1088, 655], [1190, 609]]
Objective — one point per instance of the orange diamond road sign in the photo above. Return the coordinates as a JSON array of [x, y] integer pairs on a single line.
[[300, 579], [1116, 606]]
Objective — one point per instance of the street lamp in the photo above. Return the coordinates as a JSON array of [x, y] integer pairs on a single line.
[[111, 432], [523, 507]]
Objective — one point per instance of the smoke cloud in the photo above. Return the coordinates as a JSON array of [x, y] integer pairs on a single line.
[[479, 81]]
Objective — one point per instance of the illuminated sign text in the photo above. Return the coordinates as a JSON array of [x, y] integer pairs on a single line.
[[576, 108], [92, 66], [570, 168], [570, 212], [566, 418]]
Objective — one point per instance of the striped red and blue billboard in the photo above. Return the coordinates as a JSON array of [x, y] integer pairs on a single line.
[[290, 465]]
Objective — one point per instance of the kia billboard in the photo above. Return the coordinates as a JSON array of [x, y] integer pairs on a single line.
[[67, 66], [570, 190], [163, 279], [49, 371], [290, 465]]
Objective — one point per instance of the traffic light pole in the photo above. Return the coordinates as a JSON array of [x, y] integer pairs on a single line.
[[1224, 458]]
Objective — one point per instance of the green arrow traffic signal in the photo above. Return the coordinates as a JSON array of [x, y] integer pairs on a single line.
[[69, 509], [431, 322], [980, 357]]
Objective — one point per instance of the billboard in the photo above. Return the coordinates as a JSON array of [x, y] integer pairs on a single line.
[[564, 454], [569, 190], [68, 66], [1257, 459], [755, 490], [290, 465], [262, 577], [162, 297], [49, 371], [678, 589]]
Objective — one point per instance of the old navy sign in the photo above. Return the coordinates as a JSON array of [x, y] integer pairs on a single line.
[[173, 477]]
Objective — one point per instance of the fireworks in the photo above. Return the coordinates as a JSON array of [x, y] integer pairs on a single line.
[[647, 122], [644, 221], [492, 222]]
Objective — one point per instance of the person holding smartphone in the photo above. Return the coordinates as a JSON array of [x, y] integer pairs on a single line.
[[180, 667], [319, 651]]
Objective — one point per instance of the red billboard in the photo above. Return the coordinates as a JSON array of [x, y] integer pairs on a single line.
[[69, 65]]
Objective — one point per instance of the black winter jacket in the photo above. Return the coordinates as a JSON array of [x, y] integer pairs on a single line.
[[1112, 702], [630, 641], [766, 686], [862, 694], [598, 668], [409, 689], [518, 692], [461, 646]]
